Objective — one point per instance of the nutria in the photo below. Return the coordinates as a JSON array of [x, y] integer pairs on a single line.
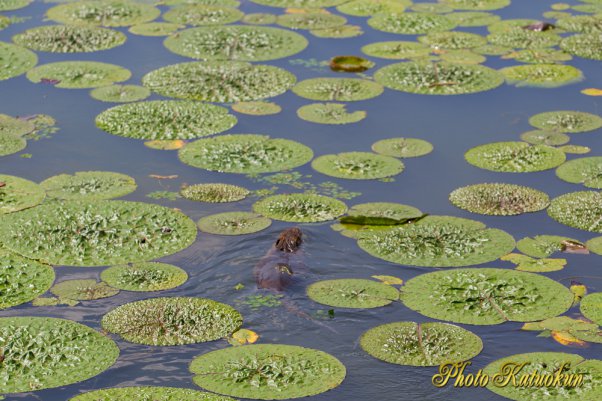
[[275, 270], [539, 26]]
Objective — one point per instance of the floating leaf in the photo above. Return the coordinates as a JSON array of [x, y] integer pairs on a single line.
[[89, 185], [9, 5], [201, 14], [17, 194], [310, 20], [69, 38], [485, 296], [514, 157], [10, 143], [329, 113], [542, 75], [586, 171], [591, 307], [244, 336], [402, 147], [155, 29], [550, 138], [120, 93], [257, 108], [542, 246], [302, 208], [389, 280], [579, 290], [99, 12], [473, 18], [149, 392], [79, 74], [259, 19], [516, 37], [287, 371], [214, 193], [44, 352], [539, 56], [438, 241], [149, 276], [357, 165], [565, 338], [421, 344], [337, 89], [592, 92], [391, 213], [338, 32], [96, 233], [452, 40], [580, 210], [575, 149], [83, 290], [586, 45], [233, 223], [367, 8], [172, 321], [15, 60], [581, 24], [411, 23], [499, 199], [566, 121], [299, 3], [245, 153], [529, 264], [22, 279], [477, 4], [153, 120], [352, 293], [397, 50], [15, 126]]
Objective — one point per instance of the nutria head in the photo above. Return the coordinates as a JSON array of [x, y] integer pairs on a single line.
[[289, 240]]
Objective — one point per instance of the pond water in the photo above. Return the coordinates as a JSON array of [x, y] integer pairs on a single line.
[[216, 264]]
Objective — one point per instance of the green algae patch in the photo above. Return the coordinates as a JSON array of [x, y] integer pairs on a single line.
[[96, 233], [259, 19], [149, 276], [586, 171], [83, 290], [477, 4], [89, 185], [200, 14], [224, 82], [233, 223], [338, 89], [421, 344], [310, 20], [238, 42], [15, 60], [120, 93], [287, 371], [214, 193], [452, 40], [10, 143], [439, 78], [79, 74], [402, 147], [519, 38], [300, 3], [548, 364], [396, 50], [300, 208], [106, 13], [566, 121], [22, 280], [9, 5], [542, 75], [367, 8], [352, 293], [473, 18], [485, 296], [245, 154], [411, 23], [18, 193], [515, 157], [587, 46], [43, 352], [152, 120], [580, 210], [543, 137], [69, 38], [591, 307], [149, 392], [542, 246], [358, 165], [172, 321], [338, 32], [257, 108], [155, 29], [329, 113], [499, 199]]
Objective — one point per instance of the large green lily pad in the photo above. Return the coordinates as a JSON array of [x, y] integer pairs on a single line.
[[477, 4], [89, 185], [301, 208], [83, 290], [566, 121], [149, 393], [547, 364], [154, 120], [402, 147], [172, 321], [541, 137], [15, 60], [438, 241], [231, 81], [120, 93], [329, 113], [586, 45], [440, 78], [201, 14], [515, 157], [519, 38], [96, 233], [586, 171], [581, 23], [155, 29], [22, 280], [378, 210], [233, 223], [69, 38], [396, 50], [214, 193], [245, 154], [579, 210], [79, 74], [452, 40], [352, 293], [542, 75], [542, 246], [485, 296], [100, 12], [367, 8], [499, 199], [473, 18], [9, 5], [287, 371], [309, 20], [421, 344], [15, 126], [257, 108], [411, 23], [358, 165], [149, 276], [240, 43], [43, 352], [338, 89], [18, 194], [591, 307], [10, 143]]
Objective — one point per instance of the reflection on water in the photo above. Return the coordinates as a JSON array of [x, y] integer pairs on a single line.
[[217, 264]]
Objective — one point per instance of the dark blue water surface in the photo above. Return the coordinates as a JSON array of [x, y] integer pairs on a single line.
[[217, 263]]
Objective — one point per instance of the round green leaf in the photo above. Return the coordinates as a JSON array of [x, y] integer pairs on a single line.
[[411, 23], [259, 19], [542, 246], [214, 193], [149, 276], [15, 126], [338, 89], [396, 50], [329, 113], [69, 38], [15, 60], [233, 223], [149, 392], [473, 18], [402, 147], [301, 208], [338, 32], [586, 45], [9, 5], [514, 157], [586, 171], [542, 75], [120, 93], [499, 199], [299, 3], [100, 12], [83, 290], [452, 40], [18, 194], [357, 165], [201, 14], [89, 185], [519, 38], [367, 8], [352, 293], [79, 74], [540, 137], [155, 29], [22, 280], [566, 121], [580, 210], [591, 307], [310, 20], [477, 4], [257, 108]]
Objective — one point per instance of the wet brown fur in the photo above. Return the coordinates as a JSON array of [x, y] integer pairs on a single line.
[[274, 270]]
